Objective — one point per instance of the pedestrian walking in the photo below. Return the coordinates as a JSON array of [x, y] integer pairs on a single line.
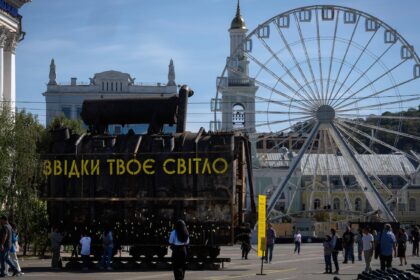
[[335, 243], [348, 245], [359, 243], [6, 243], [298, 241], [85, 251], [56, 238], [14, 249], [270, 238], [245, 238], [179, 240], [415, 233], [402, 245], [108, 246], [387, 245], [328, 249], [367, 244]]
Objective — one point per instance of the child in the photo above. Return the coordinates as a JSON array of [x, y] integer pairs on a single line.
[[327, 254]]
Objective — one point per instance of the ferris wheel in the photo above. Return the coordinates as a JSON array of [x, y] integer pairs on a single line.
[[340, 80]]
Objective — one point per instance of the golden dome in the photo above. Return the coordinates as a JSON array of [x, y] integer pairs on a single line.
[[238, 21]]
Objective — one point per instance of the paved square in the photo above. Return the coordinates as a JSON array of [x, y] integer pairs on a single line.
[[285, 265]]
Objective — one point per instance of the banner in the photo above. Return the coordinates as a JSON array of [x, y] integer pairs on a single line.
[[262, 204]]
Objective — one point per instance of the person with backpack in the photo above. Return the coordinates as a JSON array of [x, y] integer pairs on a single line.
[[108, 245], [179, 240], [337, 245]]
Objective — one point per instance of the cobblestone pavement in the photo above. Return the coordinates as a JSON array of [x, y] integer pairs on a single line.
[[285, 265]]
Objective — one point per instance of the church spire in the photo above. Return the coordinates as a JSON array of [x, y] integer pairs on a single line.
[[52, 75], [238, 10], [171, 74], [238, 22]]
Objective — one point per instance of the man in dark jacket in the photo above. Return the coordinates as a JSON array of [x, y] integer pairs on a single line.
[[6, 244], [270, 240], [348, 244]]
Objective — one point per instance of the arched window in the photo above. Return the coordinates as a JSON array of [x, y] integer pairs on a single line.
[[317, 203], [336, 204], [238, 116], [358, 204], [412, 204]]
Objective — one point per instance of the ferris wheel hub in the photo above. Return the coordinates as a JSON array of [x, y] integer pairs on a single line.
[[325, 114]]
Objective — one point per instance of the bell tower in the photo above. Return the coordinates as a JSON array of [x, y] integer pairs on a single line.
[[238, 91]]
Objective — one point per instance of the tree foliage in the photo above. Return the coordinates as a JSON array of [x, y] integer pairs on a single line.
[[22, 141]]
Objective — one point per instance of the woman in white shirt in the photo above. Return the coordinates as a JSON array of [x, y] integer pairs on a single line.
[[178, 240]]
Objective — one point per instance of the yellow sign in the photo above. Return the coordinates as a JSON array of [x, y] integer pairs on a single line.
[[262, 203], [170, 166]]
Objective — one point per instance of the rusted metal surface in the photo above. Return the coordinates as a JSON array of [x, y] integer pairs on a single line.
[[141, 208]]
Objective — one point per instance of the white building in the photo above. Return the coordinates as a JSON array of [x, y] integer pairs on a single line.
[[238, 93], [10, 34], [67, 99]]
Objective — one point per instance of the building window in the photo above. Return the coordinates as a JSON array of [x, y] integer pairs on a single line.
[[120, 86], [336, 204], [412, 204], [358, 204], [117, 129], [238, 116], [66, 112], [317, 203], [103, 86]]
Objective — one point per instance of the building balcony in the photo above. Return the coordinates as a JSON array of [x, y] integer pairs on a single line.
[[223, 82]]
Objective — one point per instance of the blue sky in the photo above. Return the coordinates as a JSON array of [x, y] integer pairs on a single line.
[[140, 37]]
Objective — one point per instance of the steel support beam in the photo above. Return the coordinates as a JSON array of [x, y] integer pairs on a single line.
[[371, 193], [292, 168]]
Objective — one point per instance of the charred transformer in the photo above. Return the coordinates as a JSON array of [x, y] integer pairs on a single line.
[[137, 185]]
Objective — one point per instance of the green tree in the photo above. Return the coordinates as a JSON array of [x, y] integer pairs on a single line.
[[21, 200], [6, 141]]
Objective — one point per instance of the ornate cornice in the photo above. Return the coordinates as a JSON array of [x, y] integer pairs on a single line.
[[3, 36], [17, 3], [11, 41]]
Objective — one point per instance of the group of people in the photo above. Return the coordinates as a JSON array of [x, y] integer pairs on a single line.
[[383, 245], [9, 247], [57, 237], [178, 241], [270, 239]]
